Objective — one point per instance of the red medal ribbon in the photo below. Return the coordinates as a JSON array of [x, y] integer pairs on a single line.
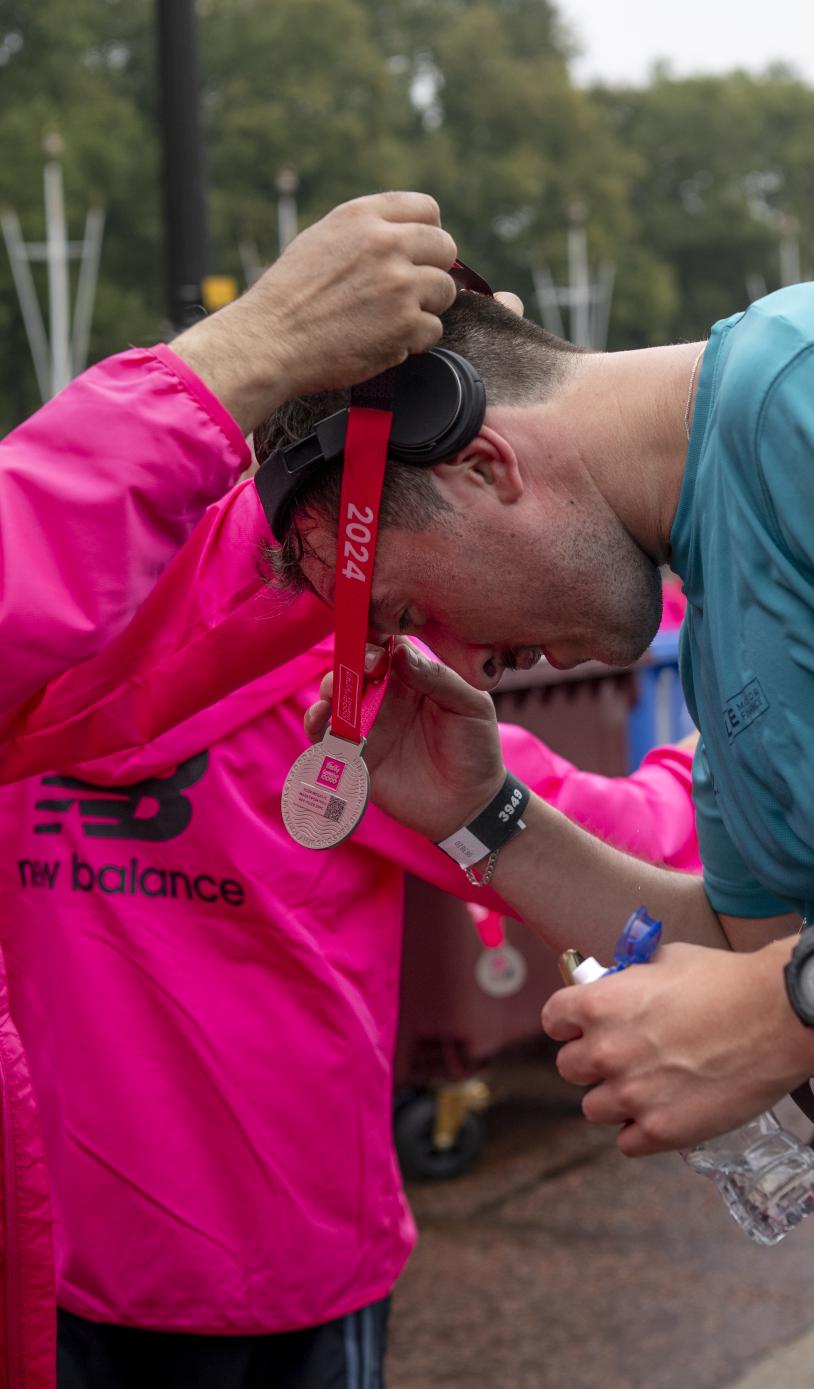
[[369, 423]]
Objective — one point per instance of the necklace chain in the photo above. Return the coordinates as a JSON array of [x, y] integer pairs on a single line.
[[689, 392]]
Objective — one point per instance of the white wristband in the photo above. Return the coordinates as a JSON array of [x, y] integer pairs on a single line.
[[496, 824]]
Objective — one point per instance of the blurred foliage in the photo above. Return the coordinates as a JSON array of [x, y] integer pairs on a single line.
[[328, 107], [726, 169], [688, 186], [84, 70]]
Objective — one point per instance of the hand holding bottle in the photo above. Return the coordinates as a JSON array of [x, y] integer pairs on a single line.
[[764, 1173]]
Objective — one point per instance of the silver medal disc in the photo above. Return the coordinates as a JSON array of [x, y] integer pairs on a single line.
[[501, 971], [325, 793]]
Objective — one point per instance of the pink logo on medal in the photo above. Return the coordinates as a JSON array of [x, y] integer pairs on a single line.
[[347, 703], [330, 773]]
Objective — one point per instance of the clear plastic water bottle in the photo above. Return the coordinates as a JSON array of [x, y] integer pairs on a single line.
[[764, 1173]]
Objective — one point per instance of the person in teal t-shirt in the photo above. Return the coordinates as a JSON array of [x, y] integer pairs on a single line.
[[742, 542], [547, 532]]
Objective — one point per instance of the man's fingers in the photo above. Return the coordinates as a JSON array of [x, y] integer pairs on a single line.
[[398, 206], [426, 332], [316, 719], [601, 1105], [435, 289], [430, 246], [575, 1064], [377, 660], [437, 682], [560, 1017], [510, 301], [632, 1141]]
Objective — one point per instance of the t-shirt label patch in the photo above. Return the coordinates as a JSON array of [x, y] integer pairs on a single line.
[[743, 708]]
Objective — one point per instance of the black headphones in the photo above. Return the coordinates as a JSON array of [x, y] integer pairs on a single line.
[[438, 404], [438, 407]]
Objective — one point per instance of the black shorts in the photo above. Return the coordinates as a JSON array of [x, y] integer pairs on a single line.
[[344, 1354]]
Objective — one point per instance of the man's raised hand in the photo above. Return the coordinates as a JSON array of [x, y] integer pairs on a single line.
[[434, 751], [351, 295], [685, 1048]]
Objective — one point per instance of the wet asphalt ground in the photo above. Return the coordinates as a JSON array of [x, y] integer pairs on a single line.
[[558, 1264]]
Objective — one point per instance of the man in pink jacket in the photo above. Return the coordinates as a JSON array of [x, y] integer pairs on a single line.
[[207, 628], [209, 1014], [97, 491], [146, 985]]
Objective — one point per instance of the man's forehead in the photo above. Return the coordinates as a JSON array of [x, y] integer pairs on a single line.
[[322, 580]]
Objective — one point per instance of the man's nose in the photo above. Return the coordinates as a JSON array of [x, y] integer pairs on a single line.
[[478, 665]]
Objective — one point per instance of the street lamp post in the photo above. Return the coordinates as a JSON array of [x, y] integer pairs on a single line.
[[185, 215]]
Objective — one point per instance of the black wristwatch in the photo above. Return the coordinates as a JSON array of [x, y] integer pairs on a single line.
[[799, 975]]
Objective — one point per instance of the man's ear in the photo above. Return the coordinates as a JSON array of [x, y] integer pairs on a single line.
[[487, 463]]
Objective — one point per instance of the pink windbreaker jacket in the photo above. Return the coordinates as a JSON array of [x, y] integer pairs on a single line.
[[97, 492], [203, 1001], [209, 1012]]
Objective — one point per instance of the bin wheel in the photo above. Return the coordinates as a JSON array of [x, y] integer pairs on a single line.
[[418, 1155]]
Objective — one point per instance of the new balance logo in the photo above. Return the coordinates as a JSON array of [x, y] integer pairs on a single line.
[[152, 810]]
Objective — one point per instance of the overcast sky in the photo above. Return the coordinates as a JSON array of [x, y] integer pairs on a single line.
[[622, 38]]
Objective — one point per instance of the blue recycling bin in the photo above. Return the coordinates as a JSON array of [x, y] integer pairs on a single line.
[[659, 714]]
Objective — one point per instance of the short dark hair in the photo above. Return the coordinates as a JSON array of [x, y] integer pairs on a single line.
[[518, 363]]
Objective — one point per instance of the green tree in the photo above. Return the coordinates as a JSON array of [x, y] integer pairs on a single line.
[[686, 184], [299, 83], [724, 163], [304, 85], [509, 145], [79, 69]]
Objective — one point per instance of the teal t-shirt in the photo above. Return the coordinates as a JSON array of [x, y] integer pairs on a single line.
[[743, 544]]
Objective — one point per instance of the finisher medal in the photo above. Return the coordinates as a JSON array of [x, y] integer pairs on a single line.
[[325, 793]]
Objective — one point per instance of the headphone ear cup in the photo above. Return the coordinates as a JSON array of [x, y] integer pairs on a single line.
[[439, 404]]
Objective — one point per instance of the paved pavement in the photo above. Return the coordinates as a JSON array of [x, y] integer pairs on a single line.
[[782, 1369], [560, 1265]]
